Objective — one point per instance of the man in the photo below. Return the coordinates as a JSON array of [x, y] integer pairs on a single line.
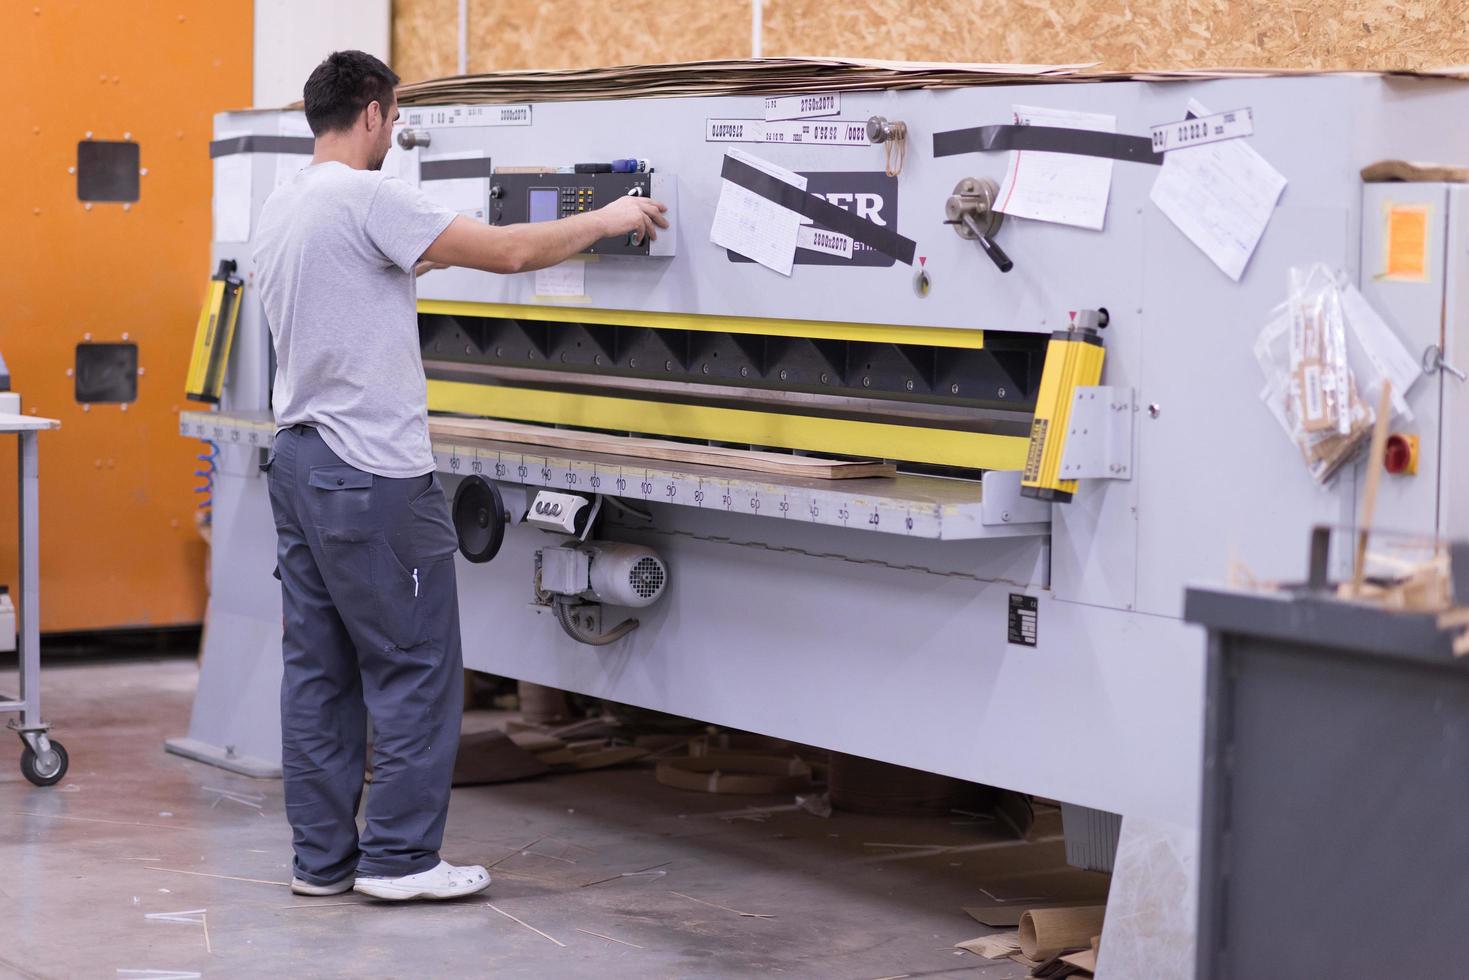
[[365, 544]]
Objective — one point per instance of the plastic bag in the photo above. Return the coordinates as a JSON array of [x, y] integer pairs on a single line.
[[1325, 354]]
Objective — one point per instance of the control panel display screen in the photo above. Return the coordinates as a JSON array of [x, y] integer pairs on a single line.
[[543, 204]]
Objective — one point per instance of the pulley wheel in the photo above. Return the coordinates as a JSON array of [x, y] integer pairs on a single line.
[[479, 518]]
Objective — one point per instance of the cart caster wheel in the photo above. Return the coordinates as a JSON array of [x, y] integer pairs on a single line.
[[49, 773]]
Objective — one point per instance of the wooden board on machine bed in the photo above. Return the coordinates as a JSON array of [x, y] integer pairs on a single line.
[[775, 464]]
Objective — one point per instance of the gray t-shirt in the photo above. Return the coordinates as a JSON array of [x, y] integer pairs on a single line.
[[334, 256]]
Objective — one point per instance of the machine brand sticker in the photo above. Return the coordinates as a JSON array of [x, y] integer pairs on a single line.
[[1024, 610], [830, 132], [802, 106], [870, 195], [470, 115]]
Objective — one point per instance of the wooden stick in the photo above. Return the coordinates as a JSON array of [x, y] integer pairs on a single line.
[[205, 874], [526, 924], [204, 921], [609, 938], [527, 876], [627, 874], [726, 908], [119, 823], [516, 851], [1374, 477], [319, 905]]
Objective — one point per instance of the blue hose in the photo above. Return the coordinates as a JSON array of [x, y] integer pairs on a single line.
[[207, 475]]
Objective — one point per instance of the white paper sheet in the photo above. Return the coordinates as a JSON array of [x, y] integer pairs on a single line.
[[232, 190], [401, 163], [1382, 352], [828, 242], [756, 227], [1220, 195], [567, 278], [470, 196], [288, 165], [1066, 188]]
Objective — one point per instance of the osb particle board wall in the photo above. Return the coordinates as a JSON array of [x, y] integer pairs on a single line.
[[1122, 34], [505, 34]]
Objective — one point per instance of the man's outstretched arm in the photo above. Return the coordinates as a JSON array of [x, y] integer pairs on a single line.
[[525, 247]]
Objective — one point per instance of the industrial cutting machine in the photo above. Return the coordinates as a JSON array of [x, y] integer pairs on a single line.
[[1067, 419]]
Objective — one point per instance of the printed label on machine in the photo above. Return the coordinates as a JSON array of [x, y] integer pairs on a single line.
[[1203, 129], [471, 115], [870, 195], [1024, 611], [832, 132], [802, 106], [827, 242]]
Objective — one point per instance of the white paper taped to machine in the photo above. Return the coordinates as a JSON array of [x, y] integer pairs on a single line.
[[469, 196], [288, 165], [233, 190], [1061, 187], [1221, 195], [754, 226], [567, 280]]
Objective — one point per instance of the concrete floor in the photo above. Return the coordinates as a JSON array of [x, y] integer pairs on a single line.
[[82, 874]]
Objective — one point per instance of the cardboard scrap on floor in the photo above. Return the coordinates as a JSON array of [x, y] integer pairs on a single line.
[[1055, 968], [495, 757], [739, 773], [1086, 959], [491, 757], [1057, 908], [1045, 933], [998, 946]]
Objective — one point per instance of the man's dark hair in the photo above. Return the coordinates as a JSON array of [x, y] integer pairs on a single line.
[[342, 86]]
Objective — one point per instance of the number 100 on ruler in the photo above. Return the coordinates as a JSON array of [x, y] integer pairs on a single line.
[[1203, 129]]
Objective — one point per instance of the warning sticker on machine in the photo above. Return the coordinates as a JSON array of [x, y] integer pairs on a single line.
[[1023, 612], [825, 132], [1037, 448]]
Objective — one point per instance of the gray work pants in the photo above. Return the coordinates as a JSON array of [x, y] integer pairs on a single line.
[[371, 620]]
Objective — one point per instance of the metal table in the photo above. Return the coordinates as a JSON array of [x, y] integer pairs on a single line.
[[43, 760], [1336, 742]]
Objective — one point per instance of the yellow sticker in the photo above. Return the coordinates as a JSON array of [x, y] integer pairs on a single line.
[[1407, 243]]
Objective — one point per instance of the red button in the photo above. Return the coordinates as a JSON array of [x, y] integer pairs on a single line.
[[1400, 456]]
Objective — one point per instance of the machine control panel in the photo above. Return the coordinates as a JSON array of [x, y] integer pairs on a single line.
[[521, 197]]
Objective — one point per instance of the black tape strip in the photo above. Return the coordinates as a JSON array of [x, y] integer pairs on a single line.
[[262, 144], [454, 169], [1050, 139], [819, 210]]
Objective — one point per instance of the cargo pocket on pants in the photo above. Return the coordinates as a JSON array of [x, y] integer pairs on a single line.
[[400, 590], [340, 506]]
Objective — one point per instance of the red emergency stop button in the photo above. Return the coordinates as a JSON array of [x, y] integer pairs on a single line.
[[1401, 454]]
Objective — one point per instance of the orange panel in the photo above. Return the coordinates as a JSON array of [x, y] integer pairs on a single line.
[[118, 543]]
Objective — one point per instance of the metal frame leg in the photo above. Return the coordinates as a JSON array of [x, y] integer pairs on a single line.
[[32, 730]]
